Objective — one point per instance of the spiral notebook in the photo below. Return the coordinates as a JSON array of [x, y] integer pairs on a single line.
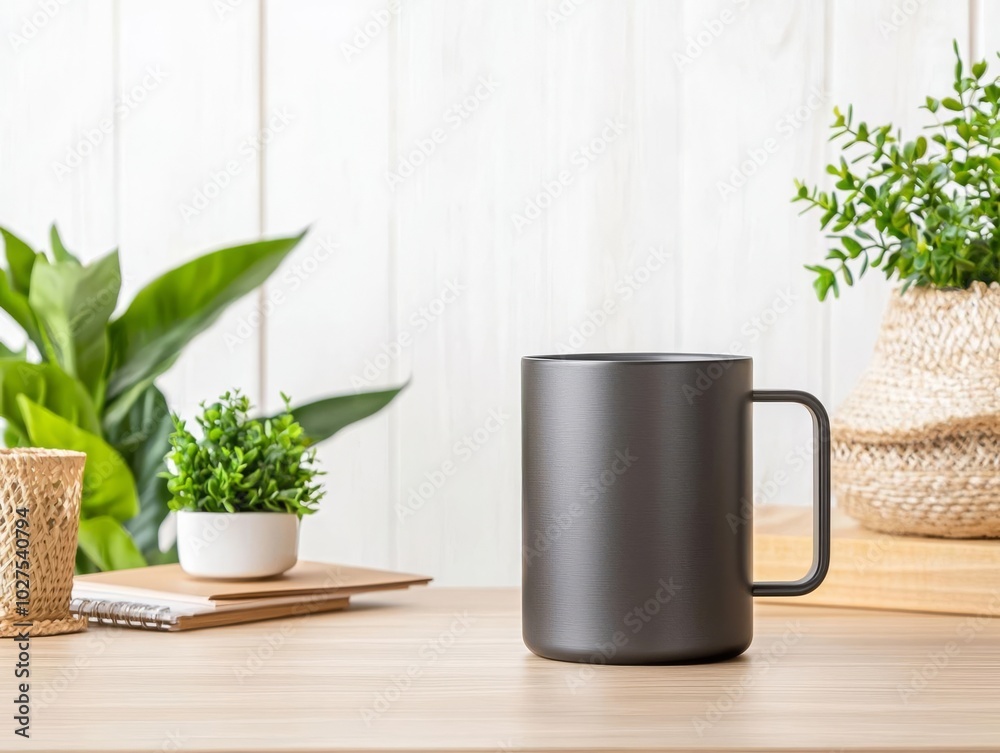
[[187, 617], [164, 597]]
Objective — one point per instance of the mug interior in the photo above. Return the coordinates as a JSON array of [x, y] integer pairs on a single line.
[[640, 357]]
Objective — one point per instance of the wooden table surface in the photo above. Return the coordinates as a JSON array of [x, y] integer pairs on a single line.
[[445, 669]]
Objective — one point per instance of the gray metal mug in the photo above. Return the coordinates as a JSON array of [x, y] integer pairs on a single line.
[[637, 506]]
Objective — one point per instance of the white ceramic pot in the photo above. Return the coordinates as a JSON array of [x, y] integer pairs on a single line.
[[237, 545]]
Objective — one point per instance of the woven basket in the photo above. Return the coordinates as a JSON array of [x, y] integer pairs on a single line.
[[916, 446], [45, 485]]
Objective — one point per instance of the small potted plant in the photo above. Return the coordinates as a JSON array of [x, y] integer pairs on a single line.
[[916, 446], [240, 489]]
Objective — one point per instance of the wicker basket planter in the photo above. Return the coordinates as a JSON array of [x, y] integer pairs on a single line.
[[916, 446], [39, 507]]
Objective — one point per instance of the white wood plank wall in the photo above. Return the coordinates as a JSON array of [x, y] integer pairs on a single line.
[[483, 180]]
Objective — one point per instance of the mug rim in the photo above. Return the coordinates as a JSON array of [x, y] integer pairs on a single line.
[[640, 357]]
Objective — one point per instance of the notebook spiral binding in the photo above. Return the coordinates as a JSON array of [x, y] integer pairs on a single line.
[[122, 614]]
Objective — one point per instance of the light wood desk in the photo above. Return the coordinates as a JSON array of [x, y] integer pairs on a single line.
[[443, 669]]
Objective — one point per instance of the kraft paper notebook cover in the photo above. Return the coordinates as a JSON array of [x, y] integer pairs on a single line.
[[170, 583]]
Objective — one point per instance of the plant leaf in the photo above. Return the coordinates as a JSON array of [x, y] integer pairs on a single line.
[[73, 304], [20, 260], [7, 352], [108, 486], [175, 307], [323, 418], [852, 246], [108, 545], [59, 252], [16, 304], [118, 408], [242, 464], [142, 437], [49, 386]]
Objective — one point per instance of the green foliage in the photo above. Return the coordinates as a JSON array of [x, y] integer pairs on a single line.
[[108, 486], [50, 387], [105, 545], [242, 464], [73, 304], [925, 212], [326, 417], [147, 338], [141, 436], [86, 380]]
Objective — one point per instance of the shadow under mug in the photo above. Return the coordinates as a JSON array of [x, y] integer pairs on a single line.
[[637, 506]]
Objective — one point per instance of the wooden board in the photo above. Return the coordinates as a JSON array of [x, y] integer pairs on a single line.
[[445, 670], [878, 570]]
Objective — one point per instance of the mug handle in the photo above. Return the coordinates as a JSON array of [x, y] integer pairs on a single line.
[[821, 494]]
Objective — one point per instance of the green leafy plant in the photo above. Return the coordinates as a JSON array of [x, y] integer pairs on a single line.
[[242, 464], [925, 211], [86, 380]]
